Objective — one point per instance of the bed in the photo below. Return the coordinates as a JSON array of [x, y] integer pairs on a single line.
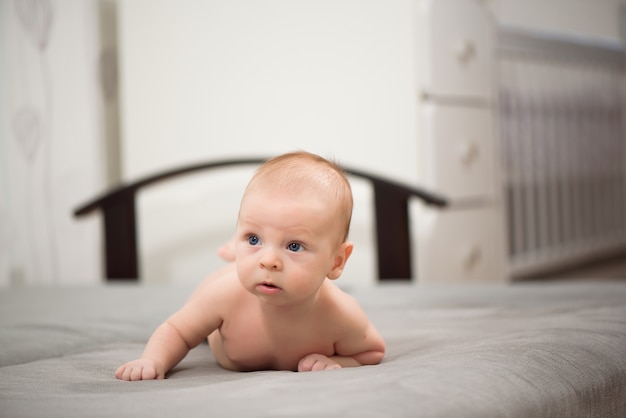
[[519, 350]]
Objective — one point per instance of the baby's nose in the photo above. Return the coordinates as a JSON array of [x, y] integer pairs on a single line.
[[270, 260]]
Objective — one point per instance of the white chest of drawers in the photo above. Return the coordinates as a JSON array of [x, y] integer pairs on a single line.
[[458, 155]]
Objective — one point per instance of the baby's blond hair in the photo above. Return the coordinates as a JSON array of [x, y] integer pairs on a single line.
[[301, 171]]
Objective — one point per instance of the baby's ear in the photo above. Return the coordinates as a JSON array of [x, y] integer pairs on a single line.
[[341, 257], [227, 251]]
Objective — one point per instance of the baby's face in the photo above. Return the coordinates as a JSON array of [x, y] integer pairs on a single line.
[[285, 245]]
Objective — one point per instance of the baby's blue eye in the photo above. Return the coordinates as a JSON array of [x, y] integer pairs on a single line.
[[294, 246], [253, 240]]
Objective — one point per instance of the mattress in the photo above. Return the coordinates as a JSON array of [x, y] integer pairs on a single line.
[[518, 350]]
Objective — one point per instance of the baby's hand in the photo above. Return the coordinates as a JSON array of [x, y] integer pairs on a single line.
[[316, 362], [142, 369]]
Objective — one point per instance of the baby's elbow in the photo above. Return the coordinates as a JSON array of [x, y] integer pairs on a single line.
[[377, 356], [371, 357]]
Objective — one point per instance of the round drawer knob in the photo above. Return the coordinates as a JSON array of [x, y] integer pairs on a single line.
[[468, 152], [465, 50], [471, 256]]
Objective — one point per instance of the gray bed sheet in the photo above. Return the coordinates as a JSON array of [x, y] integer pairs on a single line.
[[521, 350]]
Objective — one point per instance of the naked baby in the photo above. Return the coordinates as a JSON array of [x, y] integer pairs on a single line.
[[275, 307]]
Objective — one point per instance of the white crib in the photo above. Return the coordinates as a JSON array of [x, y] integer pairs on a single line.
[[561, 130], [524, 131]]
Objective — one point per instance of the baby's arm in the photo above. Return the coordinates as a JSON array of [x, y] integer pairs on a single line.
[[165, 349], [360, 344], [173, 339], [370, 350]]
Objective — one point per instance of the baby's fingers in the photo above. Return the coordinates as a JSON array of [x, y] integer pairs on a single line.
[[132, 372], [119, 373], [323, 365], [149, 373], [129, 372], [316, 362], [136, 373]]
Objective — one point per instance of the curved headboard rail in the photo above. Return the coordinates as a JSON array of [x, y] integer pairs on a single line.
[[123, 190], [391, 213]]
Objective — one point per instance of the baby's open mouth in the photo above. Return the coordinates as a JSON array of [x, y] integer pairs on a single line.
[[268, 288]]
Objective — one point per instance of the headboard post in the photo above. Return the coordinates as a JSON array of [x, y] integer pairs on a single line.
[[120, 237], [392, 232]]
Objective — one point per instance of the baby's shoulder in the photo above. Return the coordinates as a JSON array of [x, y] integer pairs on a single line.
[[344, 318], [226, 286], [220, 288], [342, 305]]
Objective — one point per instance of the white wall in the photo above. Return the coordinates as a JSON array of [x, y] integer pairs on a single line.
[[210, 79], [51, 141], [217, 78]]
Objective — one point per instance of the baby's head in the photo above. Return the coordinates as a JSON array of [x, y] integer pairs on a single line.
[[303, 173], [293, 221]]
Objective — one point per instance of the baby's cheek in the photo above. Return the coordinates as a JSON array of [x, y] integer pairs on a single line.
[[243, 270]]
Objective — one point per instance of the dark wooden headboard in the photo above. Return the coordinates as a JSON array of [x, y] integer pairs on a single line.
[[391, 212]]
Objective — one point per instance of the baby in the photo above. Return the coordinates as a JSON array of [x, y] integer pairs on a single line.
[[276, 307]]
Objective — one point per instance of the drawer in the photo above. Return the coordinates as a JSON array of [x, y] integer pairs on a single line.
[[456, 151], [455, 48], [459, 246]]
